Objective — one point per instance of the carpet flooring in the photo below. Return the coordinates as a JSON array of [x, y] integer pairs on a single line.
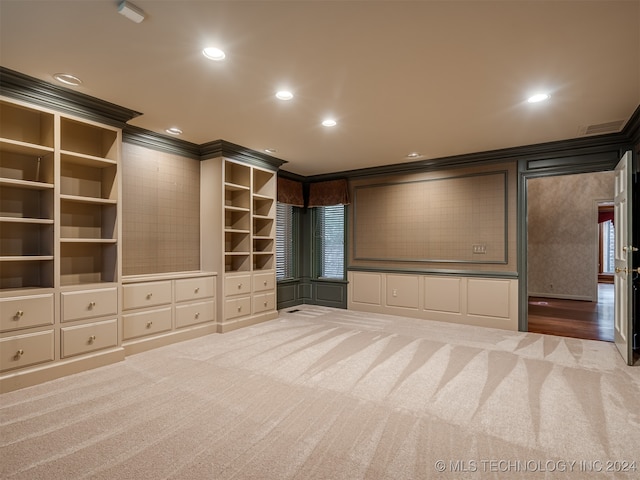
[[333, 394]]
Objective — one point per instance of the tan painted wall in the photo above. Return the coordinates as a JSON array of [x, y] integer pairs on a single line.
[[161, 212]]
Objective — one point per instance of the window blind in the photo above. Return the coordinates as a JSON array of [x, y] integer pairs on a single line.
[[284, 241], [331, 241]]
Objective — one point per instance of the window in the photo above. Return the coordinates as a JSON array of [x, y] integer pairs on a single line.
[[330, 241], [285, 241]]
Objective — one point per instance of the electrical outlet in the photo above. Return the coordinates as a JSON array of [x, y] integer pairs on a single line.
[[479, 248], [395, 292]]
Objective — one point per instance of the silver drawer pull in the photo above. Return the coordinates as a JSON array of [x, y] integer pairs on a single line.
[[92, 338], [18, 354], [92, 305], [149, 324], [196, 290], [18, 314], [149, 295]]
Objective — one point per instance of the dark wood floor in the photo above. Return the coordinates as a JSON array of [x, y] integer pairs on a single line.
[[574, 318]]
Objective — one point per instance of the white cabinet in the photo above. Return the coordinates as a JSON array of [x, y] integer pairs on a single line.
[[166, 308]]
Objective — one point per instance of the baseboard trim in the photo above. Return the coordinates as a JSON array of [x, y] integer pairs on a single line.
[[230, 325], [139, 345]]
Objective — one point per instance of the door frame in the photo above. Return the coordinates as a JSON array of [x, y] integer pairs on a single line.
[[549, 167]]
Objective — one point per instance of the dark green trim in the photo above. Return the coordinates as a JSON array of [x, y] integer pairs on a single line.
[[222, 148], [156, 141], [32, 90]]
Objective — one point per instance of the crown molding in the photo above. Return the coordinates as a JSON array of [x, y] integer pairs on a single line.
[[156, 141], [222, 148], [32, 90]]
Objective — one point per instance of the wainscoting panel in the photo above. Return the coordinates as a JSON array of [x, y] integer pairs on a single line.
[[487, 302]]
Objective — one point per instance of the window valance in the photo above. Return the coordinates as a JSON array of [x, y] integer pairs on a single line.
[[290, 192], [332, 192]]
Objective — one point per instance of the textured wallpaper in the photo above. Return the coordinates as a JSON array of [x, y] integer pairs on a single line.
[[161, 212], [562, 252]]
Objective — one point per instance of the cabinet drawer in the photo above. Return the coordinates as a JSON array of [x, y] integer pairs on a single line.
[[87, 338], [89, 303], [264, 302], [25, 312], [237, 307], [264, 281], [24, 350], [237, 284], [195, 288], [146, 323], [195, 313], [148, 294]]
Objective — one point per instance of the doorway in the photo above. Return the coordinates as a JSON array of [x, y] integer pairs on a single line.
[[569, 293]]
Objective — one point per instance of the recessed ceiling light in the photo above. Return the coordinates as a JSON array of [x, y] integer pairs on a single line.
[[413, 155], [174, 131], [538, 97], [213, 53], [329, 122], [270, 150], [67, 79], [284, 95]]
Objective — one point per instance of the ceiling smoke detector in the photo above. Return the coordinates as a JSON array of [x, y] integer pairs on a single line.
[[130, 11]]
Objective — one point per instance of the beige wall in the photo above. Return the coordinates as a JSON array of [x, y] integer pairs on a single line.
[[562, 244], [432, 220], [161, 212]]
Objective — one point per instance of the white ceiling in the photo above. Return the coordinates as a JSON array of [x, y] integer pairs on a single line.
[[437, 77]]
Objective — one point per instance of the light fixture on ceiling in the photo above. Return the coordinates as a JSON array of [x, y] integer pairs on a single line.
[[538, 97], [284, 95], [413, 155], [67, 79], [174, 131], [214, 53], [270, 150], [329, 122], [129, 10]]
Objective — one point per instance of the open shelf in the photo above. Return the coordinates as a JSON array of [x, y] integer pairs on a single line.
[[263, 227], [237, 242], [263, 261], [87, 220], [35, 272], [264, 183], [89, 140], [26, 239], [237, 262], [237, 219], [263, 245], [237, 175], [234, 197], [82, 180], [264, 207], [87, 262], [25, 125]]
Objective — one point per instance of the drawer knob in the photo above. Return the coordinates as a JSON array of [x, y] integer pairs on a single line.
[[18, 354], [92, 338], [240, 285], [239, 308], [265, 283], [18, 314], [197, 290], [149, 324], [149, 295], [92, 305], [197, 314], [265, 304]]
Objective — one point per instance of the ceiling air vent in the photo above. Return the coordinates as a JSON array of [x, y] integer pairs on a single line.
[[601, 128]]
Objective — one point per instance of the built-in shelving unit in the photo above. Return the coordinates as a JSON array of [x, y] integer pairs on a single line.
[[59, 243], [248, 239]]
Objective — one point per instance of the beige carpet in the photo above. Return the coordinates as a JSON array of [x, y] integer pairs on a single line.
[[333, 394]]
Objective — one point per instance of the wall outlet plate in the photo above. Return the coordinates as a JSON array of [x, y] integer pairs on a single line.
[[479, 248]]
